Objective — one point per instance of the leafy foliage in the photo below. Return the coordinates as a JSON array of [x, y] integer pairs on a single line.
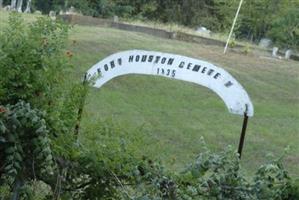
[[32, 60], [25, 142], [256, 20], [41, 158]]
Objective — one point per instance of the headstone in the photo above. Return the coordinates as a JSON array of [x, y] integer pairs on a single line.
[[115, 18], [13, 4], [274, 51], [52, 15], [288, 54], [7, 8], [37, 12], [19, 6], [71, 11], [61, 12], [203, 30], [28, 7], [173, 35], [265, 43]]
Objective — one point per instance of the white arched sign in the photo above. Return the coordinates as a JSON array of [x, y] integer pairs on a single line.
[[178, 67]]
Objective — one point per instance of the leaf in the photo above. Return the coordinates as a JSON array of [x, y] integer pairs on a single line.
[[2, 127], [18, 156], [2, 139], [10, 150], [11, 137], [17, 165]]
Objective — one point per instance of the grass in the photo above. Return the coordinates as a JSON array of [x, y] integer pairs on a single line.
[[174, 115]]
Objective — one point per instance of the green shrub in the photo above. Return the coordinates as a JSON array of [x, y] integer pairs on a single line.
[[25, 144], [33, 59]]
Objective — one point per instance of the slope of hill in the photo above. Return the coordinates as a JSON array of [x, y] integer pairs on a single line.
[[174, 115]]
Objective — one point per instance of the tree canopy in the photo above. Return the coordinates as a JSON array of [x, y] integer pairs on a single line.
[[257, 19]]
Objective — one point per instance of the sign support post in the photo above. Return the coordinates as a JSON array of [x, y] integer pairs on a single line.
[[242, 137]]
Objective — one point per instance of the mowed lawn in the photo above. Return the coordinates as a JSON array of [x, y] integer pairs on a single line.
[[173, 115]]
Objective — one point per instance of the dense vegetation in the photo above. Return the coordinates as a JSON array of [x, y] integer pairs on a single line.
[[41, 157], [257, 17]]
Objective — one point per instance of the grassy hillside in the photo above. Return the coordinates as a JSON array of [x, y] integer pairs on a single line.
[[174, 115]]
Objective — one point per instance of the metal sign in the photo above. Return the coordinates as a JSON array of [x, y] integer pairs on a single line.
[[178, 67]]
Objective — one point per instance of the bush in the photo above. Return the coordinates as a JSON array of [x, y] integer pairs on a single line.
[[33, 61]]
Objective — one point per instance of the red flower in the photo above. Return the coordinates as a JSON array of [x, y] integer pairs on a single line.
[[69, 54], [2, 110]]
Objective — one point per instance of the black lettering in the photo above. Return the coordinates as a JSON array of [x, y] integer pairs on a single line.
[[131, 58], [228, 84], [189, 65], [112, 64], [158, 70], [216, 75], [173, 73], [99, 70], [106, 67], [144, 57], [170, 61], [182, 64], [168, 72], [196, 68], [150, 58], [119, 61], [162, 71], [137, 58], [204, 70], [157, 59], [163, 60], [210, 72]]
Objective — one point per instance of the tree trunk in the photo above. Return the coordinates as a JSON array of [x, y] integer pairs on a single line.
[[13, 4], [1, 4], [20, 5], [28, 7]]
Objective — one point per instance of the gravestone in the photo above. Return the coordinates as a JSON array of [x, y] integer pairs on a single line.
[[28, 7], [13, 4], [115, 18], [265, 42], [52, 15], [7, 8], [274, 51], [72, 11], [203, 30], [19, 6], [37, 12], [288, 54]]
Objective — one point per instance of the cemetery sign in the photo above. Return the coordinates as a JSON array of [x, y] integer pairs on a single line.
[[178, 67]]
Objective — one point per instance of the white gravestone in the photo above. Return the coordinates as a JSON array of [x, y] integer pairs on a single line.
[[265, 43], [275, 51], [288, 54], [52, 15]]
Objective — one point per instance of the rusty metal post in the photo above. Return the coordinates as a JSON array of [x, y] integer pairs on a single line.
[[242, 137]]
